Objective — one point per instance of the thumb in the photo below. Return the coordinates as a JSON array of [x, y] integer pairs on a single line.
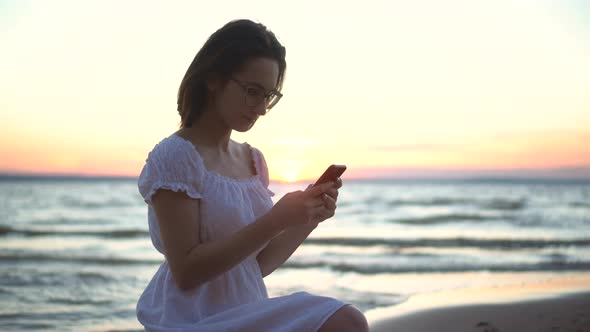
[[314, 191]]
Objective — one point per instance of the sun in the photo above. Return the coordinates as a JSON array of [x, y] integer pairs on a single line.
[[290, 176]]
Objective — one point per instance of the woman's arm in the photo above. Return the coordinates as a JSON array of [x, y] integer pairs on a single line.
[[193, 263], [282, 247]]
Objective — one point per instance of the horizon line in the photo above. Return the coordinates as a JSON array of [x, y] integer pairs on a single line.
[[481, 177], [573, 172]]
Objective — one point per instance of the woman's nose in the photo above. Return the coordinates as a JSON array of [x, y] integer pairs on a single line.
[[260, 109]]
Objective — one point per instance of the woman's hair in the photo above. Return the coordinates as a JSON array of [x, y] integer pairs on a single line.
[[222, 55]]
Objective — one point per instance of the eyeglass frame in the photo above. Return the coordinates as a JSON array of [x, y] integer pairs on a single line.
[[245, 87]]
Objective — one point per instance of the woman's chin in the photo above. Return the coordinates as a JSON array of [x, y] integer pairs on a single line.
[[243, 128]]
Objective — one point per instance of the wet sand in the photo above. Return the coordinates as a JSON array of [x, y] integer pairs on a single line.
[[558, 304]]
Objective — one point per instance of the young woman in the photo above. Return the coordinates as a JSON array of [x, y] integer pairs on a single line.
[[210, 211]]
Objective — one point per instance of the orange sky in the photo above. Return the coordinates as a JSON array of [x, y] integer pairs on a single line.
[[535, 150], [460, 85]]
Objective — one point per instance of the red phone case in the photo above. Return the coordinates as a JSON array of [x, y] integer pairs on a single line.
[[331, 173]]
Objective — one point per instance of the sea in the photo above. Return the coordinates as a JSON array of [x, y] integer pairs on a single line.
[[75, 253]]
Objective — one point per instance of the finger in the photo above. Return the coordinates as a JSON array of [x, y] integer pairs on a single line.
[[333, 193], [338, 183], [319, 214], [325, 213], [332, 213], [329, 214], [314, 202], [313, 215], [328, 185], [316, 190], [330, 203]]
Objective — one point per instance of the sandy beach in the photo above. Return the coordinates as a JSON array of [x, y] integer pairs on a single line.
[[557, 304]]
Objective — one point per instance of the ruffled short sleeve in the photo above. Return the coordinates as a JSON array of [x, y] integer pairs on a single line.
[[263, 170], [169, 166]]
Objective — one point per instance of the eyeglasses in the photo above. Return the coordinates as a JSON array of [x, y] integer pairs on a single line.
[[254, 95]]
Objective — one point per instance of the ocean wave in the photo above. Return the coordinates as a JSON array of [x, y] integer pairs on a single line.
[[117, 233], [20, 322], [73, 202], [492, 204], [91, 277], [38, 257], [24, 320], [380, 269], [580, 204], [429, 202], [443, 218], [70, 221], [49, 279], [459, 242], [70, 301], [503, 204]]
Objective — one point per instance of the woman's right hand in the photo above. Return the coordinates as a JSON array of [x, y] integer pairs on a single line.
[[302, 207]]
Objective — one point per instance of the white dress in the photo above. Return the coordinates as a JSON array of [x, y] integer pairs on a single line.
[[236, 300]]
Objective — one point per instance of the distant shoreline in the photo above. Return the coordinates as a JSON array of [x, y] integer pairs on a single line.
[[50, 177], [424, 179]]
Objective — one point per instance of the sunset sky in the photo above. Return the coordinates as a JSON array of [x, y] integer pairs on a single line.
[[389, 88]]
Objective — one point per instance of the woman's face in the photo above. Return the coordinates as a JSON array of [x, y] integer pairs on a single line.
[[257, 76]]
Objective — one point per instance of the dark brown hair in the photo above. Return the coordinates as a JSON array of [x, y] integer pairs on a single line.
[[223, 54]]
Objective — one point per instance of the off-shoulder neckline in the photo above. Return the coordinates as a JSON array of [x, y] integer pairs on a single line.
[[252, 178]]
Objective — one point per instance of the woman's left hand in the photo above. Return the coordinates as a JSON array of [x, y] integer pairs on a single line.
[[328, 198]]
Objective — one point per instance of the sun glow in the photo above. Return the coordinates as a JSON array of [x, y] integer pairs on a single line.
[[290, 176], [453, 87]]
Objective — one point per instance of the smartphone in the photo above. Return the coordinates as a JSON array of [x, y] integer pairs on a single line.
[[330, 174]]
